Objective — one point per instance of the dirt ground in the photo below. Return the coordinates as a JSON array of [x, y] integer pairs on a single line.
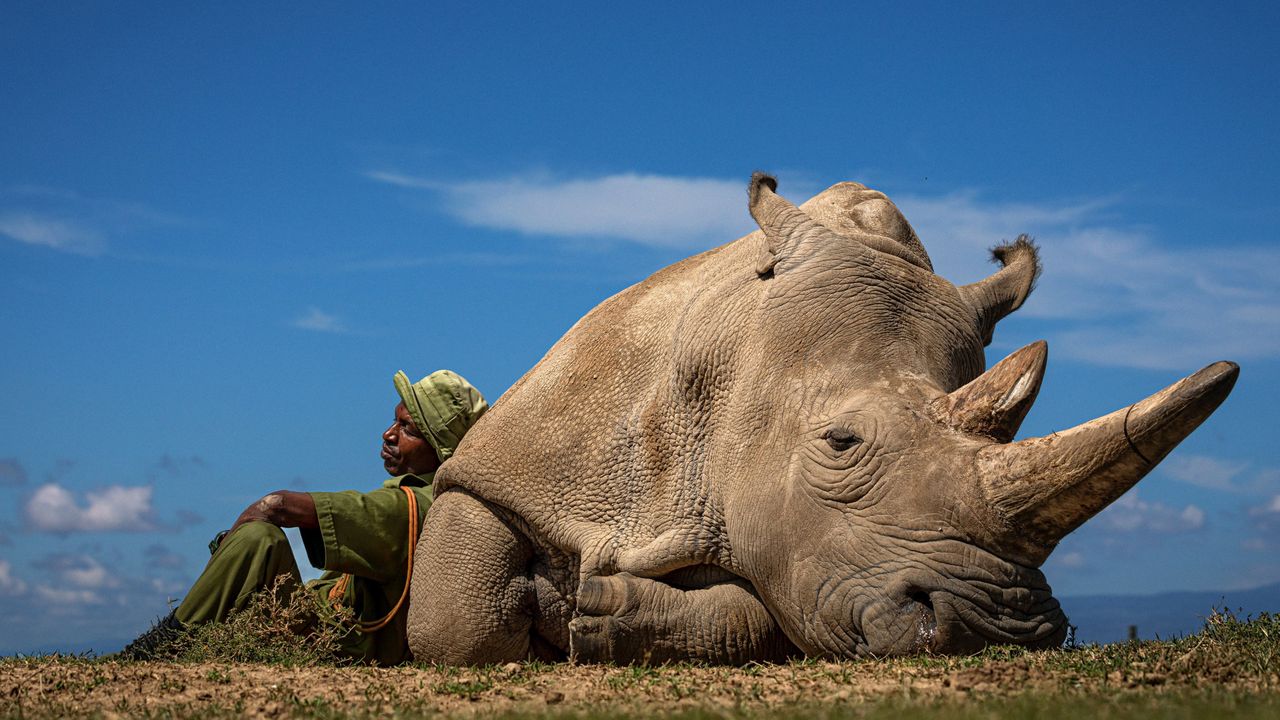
[[63, 687]]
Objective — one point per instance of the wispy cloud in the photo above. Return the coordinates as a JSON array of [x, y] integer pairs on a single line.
[[320, 321], [9, 583], [169, 466], [12, 472], [80, 571], [63, 598], [1264, 522], [654, 210], [53, 233], [1203, 471], [1072, 560], [401, 180], [1266, 515], [1131, 513], [1112, 293], [70, 222], [53, 508], [1270, 508], [160, 556]]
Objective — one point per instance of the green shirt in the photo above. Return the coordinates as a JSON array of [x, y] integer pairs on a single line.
[[366, 535]]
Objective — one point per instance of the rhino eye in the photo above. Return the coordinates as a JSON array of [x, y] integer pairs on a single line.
[[840, 439]]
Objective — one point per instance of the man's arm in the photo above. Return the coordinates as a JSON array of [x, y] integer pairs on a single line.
[[282, 508], [364, 534]]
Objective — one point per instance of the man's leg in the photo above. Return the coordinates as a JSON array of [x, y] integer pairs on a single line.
[[249, 560]]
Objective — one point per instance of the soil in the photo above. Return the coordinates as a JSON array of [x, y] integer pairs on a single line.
[[75, 687]]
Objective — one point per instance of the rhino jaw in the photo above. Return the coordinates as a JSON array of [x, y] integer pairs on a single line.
[[944, 607], [1043, 488]]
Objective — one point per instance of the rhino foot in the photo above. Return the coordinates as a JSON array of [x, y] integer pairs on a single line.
[[631, 620]]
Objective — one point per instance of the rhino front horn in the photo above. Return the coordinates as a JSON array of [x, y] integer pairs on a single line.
[[1043, 488]]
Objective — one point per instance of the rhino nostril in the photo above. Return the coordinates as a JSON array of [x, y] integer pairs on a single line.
[[921, 598], [921, 605]]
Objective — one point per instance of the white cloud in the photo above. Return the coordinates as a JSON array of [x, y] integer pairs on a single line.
[[402, 180], [1267, 508], [1131, 513], [69, 222], [10, 585], [320, 321], [53, 508], [1115, 295], [1070, 560], [1265, 521], [1112, 293], [167, 587], [57, 234], [61, 596], [1204, 471], [651, 210], [84, 572]]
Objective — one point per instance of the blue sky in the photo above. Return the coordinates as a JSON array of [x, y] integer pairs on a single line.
[[223, 229]]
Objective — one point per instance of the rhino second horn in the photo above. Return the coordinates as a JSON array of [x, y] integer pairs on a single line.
[[1000, 294], [995, 403], [1043, 488]]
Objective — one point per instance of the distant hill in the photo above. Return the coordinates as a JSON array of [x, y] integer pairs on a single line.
[[1106, 618]]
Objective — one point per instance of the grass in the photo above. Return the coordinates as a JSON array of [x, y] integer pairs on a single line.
[[1227, 647], [255, 666], [285, 625]]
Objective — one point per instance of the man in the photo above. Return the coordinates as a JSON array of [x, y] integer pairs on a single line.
[[364, 541]]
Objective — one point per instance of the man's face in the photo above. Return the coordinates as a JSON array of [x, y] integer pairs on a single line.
[[404, 450]]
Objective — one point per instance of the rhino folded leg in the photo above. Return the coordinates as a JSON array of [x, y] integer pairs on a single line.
[[470, 596], [628, 619]]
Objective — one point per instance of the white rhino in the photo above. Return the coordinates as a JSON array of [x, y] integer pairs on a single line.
[[785, 445]]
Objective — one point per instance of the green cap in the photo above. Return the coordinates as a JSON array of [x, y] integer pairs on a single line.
[[444, 406]]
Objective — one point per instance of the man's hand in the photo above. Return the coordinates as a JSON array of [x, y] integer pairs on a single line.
[[282, 508]]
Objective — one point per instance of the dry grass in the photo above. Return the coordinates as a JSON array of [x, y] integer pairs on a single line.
[[1230, 669], [286, 625]]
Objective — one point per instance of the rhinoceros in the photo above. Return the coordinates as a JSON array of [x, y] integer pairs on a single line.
[[783, 446]]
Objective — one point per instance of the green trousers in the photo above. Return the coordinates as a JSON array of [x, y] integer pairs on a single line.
[[248, 561]]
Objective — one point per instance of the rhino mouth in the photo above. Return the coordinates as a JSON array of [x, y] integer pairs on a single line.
[[964, 626], [922, 611]]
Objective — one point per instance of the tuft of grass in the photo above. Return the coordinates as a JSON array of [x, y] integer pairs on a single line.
[[464, 688], [1254, 641], [282, 625]]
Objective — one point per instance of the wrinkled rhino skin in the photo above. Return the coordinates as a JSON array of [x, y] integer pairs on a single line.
[[786, 445]]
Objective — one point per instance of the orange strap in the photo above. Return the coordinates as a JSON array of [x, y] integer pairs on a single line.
[[340, 588]]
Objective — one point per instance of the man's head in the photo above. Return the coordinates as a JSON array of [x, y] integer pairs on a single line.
[[433, 415]]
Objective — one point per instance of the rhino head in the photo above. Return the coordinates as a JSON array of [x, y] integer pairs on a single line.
[[871, 490]]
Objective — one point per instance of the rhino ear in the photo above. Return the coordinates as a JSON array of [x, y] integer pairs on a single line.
[[784, 224], [1006, 290], [996, 402]]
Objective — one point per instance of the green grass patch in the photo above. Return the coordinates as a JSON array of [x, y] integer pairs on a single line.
[[284, 625]]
